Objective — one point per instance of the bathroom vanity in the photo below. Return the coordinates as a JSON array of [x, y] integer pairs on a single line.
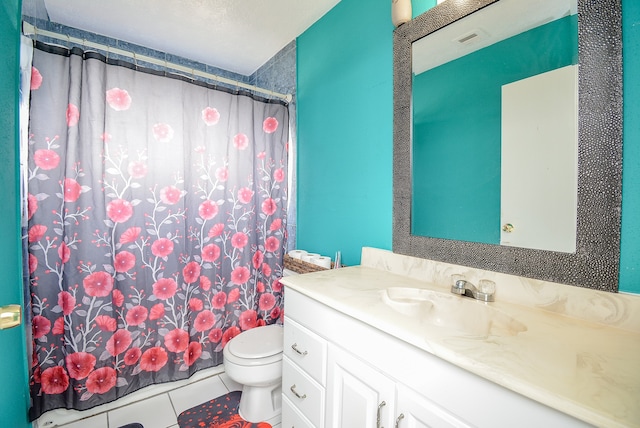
[[366, 347]]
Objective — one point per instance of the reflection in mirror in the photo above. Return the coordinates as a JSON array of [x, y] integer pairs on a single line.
[[468, 120], [595, 261]]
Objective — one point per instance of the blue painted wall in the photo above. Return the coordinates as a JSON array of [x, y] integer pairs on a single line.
[[344, 67], [468, 92]]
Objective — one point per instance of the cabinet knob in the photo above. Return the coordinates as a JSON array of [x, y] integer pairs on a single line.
[[401, 417], [295, 348], [508, 228]]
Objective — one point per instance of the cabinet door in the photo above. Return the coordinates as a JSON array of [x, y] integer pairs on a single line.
[[357, 394], [416, 411]]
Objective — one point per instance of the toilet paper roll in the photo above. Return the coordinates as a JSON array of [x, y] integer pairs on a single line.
[[310, 257], [323, 261], [297, 254]]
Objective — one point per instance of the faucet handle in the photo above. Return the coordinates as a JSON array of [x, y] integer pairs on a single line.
[[487, 286], [459, 284]]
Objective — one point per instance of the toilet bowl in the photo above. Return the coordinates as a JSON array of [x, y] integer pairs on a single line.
[[254, 359]]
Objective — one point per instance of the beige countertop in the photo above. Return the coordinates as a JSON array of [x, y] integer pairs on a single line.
[[584, 368]]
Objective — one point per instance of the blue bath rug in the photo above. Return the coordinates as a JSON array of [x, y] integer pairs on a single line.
[[221, 412]]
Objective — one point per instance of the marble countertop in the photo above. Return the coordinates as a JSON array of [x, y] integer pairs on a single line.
[[583, 368]]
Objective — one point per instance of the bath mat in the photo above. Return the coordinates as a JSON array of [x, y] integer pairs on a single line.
[[221, 412]]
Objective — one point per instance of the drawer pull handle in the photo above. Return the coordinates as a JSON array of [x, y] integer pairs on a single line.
[[380, 406], [293, 389], [295, 348], [401, 417]]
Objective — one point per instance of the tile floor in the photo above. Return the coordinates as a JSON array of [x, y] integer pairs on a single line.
[[161, 411]]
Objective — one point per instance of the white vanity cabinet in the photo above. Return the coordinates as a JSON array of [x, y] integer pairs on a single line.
[[341, 371]]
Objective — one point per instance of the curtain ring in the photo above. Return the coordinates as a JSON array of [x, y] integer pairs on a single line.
[[135, 60]]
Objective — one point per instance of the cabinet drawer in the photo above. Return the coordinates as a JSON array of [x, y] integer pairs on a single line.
[[291, 417], [306, 349], [305, 393]]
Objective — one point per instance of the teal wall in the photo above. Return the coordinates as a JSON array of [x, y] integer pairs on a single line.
[[630, 245], [468, 92], [14, 394], [344, 71]]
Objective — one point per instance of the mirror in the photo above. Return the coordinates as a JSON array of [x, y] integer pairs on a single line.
[[594, 262]]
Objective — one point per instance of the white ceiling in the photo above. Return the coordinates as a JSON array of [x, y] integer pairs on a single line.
[[235, 35]]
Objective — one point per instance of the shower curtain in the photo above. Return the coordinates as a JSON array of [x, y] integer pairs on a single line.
[[156, 210]]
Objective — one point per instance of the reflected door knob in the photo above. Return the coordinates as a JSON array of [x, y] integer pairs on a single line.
[[10, 316], [507, 228]]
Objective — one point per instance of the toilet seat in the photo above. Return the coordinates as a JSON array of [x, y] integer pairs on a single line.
[[257, 346]]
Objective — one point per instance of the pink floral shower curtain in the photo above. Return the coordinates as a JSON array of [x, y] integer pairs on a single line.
[[156, 225]]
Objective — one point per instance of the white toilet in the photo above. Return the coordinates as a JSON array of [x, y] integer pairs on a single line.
[[254, 359]]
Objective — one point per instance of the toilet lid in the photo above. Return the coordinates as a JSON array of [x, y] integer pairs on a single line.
[[258, 342]]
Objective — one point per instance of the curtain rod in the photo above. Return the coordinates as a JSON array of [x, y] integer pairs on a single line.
[[29, 29]]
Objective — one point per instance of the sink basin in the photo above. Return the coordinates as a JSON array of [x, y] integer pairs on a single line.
[[450, 312]]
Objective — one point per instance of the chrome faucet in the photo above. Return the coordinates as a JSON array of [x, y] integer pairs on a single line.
[[485, 293]]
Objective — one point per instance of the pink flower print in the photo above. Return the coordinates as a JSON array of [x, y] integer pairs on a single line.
[[132, 356], [240, 141], [119, 210], [40, 326], [117, 297], [215, 335], [162, 247], [32, 205], [118, 342], [205, 283], [98, 284], [240, 275], [170, 195], [210, 253], [106, 323], [229, 334], [58, 326], [239, 240], [101, 380], [191, 272], [216, 230], [36, 79], [266, 302], [33, 263], [106, 137], [219, 300], [54, 380], [73, 115], [276, 285], [153, 359], [176, 340], [137, 315], [165, 288], [195, 304], [80, 364], [244, 195], [269, 206], [257, 259], [124, 261], [275, 313], [137, 169], [64, 253], [130, 235], [261, 155], [210, 116], [278, 175], [260, 287], [46, 159], [204, 321], [72, 190], [118, 99], [156, 312], [200, 149], [222, 173], [233, 295], [67, 302], [270, 125], [193, 352], [275, 224], [208, 209], [266, 269], [162, 132], [36, 232], [272, 244], [248, 319]]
